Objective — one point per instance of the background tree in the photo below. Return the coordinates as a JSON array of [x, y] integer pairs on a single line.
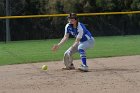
[[53, 27]]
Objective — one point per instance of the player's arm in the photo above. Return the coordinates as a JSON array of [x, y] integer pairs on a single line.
[[63, 40], [76, 42]]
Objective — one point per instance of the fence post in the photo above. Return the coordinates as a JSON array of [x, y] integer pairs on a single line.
[[8, 38]]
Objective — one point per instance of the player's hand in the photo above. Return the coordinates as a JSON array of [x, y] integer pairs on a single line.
[[55, 47]]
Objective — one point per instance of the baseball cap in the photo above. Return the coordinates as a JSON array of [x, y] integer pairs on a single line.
[[72, 16]]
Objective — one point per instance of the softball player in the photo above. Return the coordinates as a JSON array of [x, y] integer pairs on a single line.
[[83, 41]]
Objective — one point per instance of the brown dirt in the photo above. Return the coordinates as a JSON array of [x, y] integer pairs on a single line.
[[106, 75]]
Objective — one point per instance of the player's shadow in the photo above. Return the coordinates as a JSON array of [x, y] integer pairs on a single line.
[[121, 70]]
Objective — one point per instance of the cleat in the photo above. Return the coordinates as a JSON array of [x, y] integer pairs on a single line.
[[83, 68], [69, 68]]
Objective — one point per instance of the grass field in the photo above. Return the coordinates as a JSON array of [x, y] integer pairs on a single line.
[[17, 52]]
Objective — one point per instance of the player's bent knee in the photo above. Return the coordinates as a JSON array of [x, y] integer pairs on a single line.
[[67, 59]]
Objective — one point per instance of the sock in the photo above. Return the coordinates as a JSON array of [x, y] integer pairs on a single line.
[[83, 56], [84, 61]]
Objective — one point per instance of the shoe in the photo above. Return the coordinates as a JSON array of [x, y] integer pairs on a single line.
[[69, 68], [83, 68]]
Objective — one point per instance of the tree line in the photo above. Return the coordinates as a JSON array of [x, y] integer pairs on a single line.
[[53, 27]]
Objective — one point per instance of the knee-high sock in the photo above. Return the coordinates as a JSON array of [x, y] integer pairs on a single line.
[[83, 56]]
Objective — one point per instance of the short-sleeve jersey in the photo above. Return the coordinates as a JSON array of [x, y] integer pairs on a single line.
[[79, 32]]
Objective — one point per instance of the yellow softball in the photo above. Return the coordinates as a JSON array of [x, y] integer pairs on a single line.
[[44, 67]]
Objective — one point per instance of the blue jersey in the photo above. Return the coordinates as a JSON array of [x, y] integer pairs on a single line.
[[79, 32]]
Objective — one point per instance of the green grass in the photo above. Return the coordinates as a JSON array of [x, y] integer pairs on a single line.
[[17, 52]]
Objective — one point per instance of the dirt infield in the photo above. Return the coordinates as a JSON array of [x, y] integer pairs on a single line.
[[106, 75]]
